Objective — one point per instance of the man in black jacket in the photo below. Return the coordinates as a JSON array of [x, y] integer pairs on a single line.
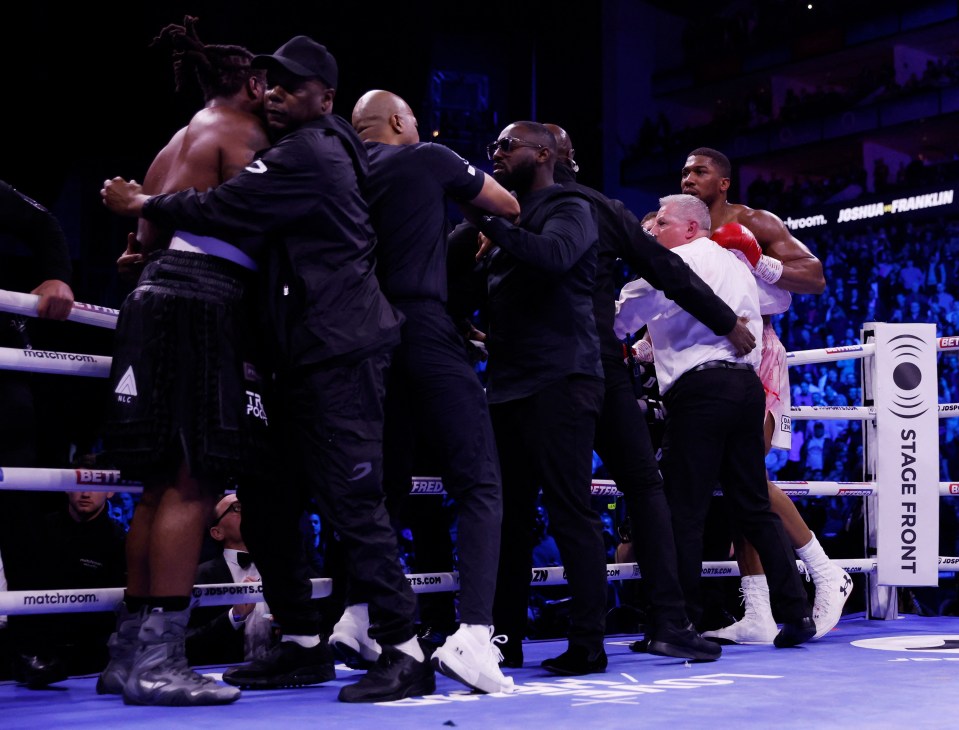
[[545, 388], [622, 435], [299, 211]]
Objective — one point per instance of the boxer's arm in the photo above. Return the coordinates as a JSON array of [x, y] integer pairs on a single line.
[[802, 271]]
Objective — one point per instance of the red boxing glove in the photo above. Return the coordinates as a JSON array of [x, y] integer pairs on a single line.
[[736, 237]]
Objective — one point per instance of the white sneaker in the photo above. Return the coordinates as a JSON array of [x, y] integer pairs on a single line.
[[351, 642], [832, 592], [473, 662]]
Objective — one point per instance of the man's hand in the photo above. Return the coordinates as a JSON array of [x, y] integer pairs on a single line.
[[485, 245], [741, 338], [130, 264], [122, 197], [56, 299], [242, 610]]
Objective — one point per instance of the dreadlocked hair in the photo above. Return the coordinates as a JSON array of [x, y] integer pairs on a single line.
[[219, 70]]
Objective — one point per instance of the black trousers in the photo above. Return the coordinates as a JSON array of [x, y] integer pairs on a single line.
[[546, 441], [714, 434], [435, 403], [329, 427], [624, 444]]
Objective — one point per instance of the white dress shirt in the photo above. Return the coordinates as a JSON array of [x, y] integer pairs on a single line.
[[680, 341]]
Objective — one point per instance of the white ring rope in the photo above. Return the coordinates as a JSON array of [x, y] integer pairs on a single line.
[[108, 480], [26, 304]]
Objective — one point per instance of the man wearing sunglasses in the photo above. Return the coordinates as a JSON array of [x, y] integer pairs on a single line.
[[298, 209], [545, 388], [623, 440]]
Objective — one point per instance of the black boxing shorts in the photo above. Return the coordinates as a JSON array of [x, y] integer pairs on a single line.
[[184, 382]]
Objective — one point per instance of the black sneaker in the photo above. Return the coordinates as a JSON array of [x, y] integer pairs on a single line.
[[641, 646], [395, 676], [286, 665], [577, 660]]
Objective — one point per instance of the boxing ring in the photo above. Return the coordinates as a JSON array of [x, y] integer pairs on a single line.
[[893, 360], [901, 659]]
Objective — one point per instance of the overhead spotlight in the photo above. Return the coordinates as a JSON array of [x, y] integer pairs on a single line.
[[436, 133]]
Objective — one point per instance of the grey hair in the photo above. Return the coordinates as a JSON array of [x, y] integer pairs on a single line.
[[690, 208]]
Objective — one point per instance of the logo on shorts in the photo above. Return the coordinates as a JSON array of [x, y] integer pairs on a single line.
[[257, 166], [254, 406], [126, 389]]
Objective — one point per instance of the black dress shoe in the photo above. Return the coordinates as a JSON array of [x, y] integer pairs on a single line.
[[641, 646], [684, 643], [395, 676], [795, 632], [575, 661], [37, 671]]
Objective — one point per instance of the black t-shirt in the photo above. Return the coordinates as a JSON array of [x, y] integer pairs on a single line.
[[407, 190]]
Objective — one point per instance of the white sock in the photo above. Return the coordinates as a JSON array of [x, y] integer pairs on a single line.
[[813, 555], [413, 648], [307, 642]]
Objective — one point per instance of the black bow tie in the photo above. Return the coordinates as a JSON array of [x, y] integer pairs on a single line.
[[243, 560]]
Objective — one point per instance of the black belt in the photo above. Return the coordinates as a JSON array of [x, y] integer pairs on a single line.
[[711, 364]]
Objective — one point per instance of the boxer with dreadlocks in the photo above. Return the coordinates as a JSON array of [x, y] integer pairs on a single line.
[[181, 382]]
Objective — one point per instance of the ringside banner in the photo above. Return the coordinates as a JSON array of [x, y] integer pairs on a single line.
[[907, 423]]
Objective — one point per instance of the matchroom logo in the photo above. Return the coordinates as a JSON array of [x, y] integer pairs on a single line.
[[907, 376]]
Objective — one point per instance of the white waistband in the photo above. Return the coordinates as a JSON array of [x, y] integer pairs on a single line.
[[184, 241]]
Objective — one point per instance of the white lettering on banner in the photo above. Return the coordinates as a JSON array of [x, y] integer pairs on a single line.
[[908, 455], [808, 222], [918, 202], [860, 212]]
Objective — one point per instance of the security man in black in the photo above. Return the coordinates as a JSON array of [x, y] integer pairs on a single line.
[[298, 209]]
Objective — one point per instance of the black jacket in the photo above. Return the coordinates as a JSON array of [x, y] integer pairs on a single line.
[[298, 209]]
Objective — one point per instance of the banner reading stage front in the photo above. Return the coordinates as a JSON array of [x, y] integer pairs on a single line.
[[907, 470]]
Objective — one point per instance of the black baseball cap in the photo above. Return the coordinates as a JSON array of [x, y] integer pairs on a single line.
[[302, 56]]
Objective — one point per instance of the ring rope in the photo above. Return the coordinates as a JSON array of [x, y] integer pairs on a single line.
[[27, 304], [87, 600], [108, 480]]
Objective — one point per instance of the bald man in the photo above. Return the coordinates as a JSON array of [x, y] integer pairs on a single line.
[[622, 435], [433, 393]]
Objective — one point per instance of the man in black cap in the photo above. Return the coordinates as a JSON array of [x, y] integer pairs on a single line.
[[298, 211]]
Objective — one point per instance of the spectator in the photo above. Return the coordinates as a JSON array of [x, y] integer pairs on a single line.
[[228, 634], [77, 546]]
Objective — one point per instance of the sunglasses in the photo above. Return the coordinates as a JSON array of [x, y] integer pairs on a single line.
[[508, 144], [235, 507]]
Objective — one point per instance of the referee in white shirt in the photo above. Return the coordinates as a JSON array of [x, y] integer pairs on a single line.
[[715, 408]]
